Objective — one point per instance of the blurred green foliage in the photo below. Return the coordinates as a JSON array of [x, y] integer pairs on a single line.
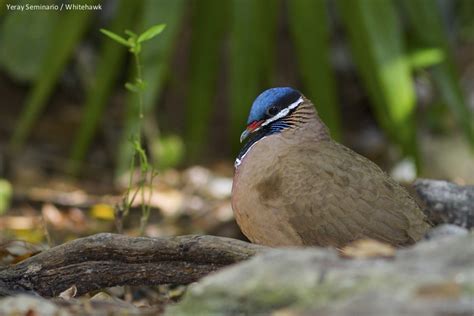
[[209, 20], [389, 41], [66, 33], [377, 46], [111, 57], [19, 42], [155, 67], [6, 192], [309, 24], [428, 28], [251, 59], [465, 10]]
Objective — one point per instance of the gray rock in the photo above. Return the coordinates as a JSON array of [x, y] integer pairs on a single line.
[[433, 277], [29, 305], [445, 230], [446, 202]]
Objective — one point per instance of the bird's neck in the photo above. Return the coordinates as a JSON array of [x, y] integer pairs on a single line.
[[306, 122], [302, 123]]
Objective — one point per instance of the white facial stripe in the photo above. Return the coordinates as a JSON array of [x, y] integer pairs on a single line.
[[283, 112]]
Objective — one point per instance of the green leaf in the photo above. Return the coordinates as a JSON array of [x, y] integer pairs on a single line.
[[151, 32], [110, 59], [131, 34], [426, 57], [252, 58], [131, 87], [428, 28], [142, 85], [311, 36], [142, 155], [379, 53], [71, 26], [155, 60], [137, 86], [116, 37]]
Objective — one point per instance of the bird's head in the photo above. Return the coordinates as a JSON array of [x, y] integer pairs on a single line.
[[271, 113], [269, 108]]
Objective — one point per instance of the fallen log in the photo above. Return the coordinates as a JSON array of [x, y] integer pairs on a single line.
[[106, 260]]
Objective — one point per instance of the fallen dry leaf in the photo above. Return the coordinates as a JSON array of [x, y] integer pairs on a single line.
[[103, 211], [14, 251], [439, 290], [53, 215], [19, 222], [367, 248], [69, 293], [168, 201], [102, 296]]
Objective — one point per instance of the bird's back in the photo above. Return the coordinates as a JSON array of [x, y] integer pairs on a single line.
[[348, 197]]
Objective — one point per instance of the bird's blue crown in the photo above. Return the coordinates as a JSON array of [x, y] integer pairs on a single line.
[[279, 97]]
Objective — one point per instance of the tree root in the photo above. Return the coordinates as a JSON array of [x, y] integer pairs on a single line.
[[106, 260]]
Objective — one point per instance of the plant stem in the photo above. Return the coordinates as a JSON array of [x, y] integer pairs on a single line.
[[143, 161], [140, 80]]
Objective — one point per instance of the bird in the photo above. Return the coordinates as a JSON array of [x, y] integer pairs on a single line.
[[294, 185]]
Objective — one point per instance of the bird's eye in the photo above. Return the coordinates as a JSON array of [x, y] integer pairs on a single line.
[[272, 111]]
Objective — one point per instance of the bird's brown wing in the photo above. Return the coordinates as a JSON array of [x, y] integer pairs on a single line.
[[334, 196]]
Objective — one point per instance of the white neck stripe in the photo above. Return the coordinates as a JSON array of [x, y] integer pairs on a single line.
[[239, 161]]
